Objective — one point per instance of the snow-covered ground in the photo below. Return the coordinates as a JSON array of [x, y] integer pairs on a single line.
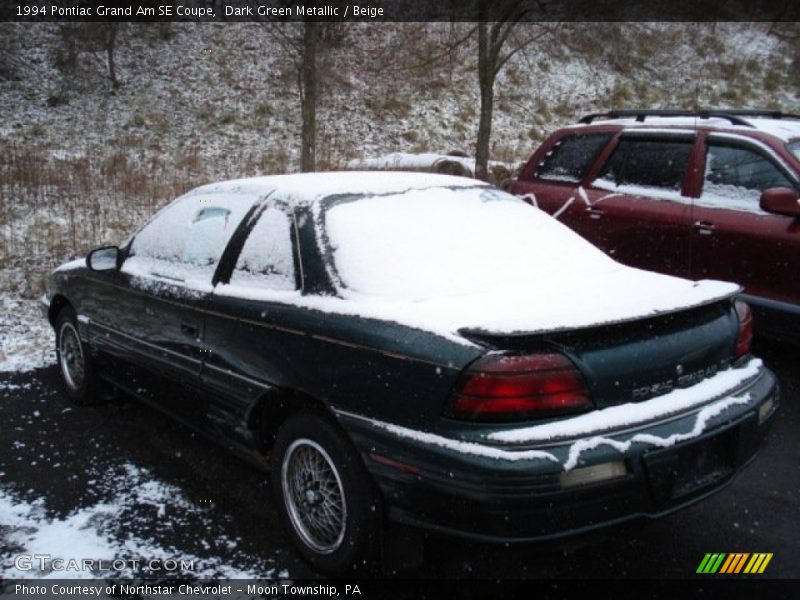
[[112, 530], [26, 338], [117, 483], [107, 531]]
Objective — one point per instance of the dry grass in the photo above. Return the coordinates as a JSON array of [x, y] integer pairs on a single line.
[[57, 206]]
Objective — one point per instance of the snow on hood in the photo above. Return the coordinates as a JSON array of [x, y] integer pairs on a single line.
[[477, 258]]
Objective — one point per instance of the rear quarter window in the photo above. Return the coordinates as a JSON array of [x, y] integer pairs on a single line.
[[571, 157], [267, 259], [648, 163]]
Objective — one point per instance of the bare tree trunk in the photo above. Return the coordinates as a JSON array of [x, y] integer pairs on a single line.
[[308, 97], [486, 75], [111, 40]]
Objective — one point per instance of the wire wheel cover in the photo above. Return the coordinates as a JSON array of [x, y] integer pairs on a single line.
[[71, 358], [314, 495]]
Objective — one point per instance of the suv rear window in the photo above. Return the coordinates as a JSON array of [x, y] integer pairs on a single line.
[[571, 156], [648, 163], [794, 148]]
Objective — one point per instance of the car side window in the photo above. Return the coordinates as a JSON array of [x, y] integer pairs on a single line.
[[571, 157], [736, 176], [206, 236], [647, 163], [267, 259], [186, 240]]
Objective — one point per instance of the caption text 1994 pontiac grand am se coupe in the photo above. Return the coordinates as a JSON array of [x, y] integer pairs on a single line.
[[420, 349]]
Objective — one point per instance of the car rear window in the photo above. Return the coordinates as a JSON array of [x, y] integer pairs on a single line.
[[444, 242], [571, 156], [648, 163]]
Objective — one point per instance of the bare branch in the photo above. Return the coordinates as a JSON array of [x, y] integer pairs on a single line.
[[293, 44], [522, 45], [447, 51]]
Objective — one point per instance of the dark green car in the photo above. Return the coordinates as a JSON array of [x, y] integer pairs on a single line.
[[420, 349]]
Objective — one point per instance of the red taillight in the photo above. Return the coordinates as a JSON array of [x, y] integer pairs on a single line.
[[745, 336], [502, 388]]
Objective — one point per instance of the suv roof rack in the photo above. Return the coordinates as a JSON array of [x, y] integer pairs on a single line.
[[732, 115]]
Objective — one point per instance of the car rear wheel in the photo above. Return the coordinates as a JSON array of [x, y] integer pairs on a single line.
[[77, 369], [325, 496]]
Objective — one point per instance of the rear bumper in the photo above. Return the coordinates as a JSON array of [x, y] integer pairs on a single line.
[[518, 495]]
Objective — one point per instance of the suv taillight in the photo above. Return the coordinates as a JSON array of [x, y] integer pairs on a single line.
[[505, 388], [745, 335]]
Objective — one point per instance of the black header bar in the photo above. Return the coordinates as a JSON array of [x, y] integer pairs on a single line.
[[399, 10]]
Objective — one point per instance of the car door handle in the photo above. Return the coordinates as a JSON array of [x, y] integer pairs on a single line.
[[190, 330], [594, 212], [704, 227]]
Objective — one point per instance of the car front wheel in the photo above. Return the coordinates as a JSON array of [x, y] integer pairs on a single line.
[[324, 494], [77, 368]]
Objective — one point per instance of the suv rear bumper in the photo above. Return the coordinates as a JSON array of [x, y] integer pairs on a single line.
[[774, 319], [495, 499]]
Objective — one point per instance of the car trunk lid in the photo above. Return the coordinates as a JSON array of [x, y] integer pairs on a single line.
[[634, 361]]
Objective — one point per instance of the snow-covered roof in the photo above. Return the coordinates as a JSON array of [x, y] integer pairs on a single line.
[[312, 186], [783, 129]]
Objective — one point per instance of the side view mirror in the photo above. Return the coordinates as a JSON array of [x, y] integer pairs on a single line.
[[103, 259], [781, 201]]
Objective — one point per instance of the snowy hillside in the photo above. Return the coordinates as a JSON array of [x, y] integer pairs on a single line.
[[81, 164], [227, 92]]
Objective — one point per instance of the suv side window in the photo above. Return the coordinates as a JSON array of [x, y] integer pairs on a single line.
[[571, 157], [735, 176], [267, 259], [185, 241], [648, 163]]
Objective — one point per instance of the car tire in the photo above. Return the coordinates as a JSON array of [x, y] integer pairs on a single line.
[[326, 499], [78, 373]]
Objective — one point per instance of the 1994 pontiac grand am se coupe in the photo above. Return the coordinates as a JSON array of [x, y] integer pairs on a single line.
[[420, 349]]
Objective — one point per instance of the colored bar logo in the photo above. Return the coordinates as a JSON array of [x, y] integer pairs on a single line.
[[734, 563]]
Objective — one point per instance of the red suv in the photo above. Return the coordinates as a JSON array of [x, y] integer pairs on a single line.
[[702, 195]]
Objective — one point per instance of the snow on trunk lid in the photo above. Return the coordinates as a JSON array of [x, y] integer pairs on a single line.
[[640, 360]]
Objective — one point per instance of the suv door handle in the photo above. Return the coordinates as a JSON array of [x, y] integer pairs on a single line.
[[704, 227], [594, 212]]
